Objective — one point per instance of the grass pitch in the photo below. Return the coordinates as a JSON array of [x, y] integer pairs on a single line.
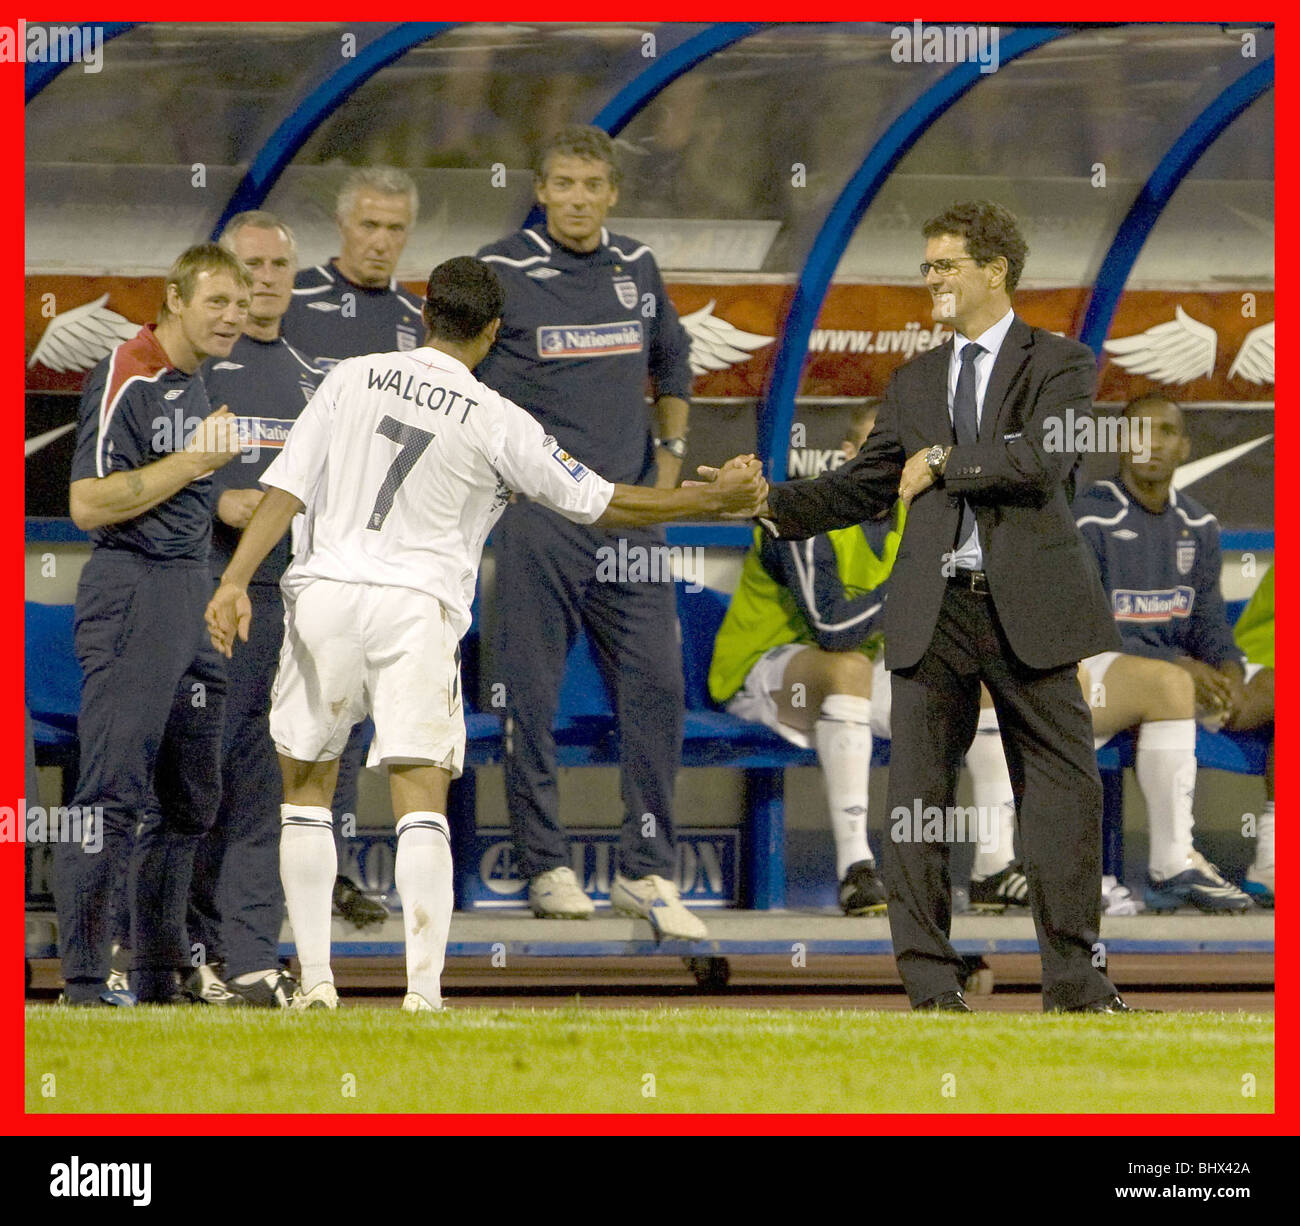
[[642, 1061]]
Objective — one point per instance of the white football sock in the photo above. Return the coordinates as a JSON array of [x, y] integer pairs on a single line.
[[842, 735], [308, 866], [1264, 840], [423, 878], [1166, 773], [991, 784]]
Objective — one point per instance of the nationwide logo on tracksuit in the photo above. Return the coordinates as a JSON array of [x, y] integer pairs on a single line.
[[589, 340], [264, 431], [1160, 606]]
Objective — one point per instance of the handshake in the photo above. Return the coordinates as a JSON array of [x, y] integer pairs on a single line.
[[740, 487]]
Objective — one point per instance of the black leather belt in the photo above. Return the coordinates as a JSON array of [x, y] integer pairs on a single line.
[[972, 581]]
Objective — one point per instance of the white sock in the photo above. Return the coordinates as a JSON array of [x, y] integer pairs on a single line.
[[308, 866], [1264, 840], [1166, 773], [991, 784], [423, 878], [842, 735]]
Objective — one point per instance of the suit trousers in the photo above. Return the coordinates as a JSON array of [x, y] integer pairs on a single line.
[[1047, 735]]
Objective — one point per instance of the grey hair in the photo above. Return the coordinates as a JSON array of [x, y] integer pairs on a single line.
[[385, 180], [259, 219]]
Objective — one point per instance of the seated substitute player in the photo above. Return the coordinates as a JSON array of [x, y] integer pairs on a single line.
[[1158, 551], [402, 462], [147, 443], [350, 306], [800, 651], [1254, 635]]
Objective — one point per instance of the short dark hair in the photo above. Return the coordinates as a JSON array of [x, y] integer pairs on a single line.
[[1130, 409], [579, 141], [462, 298], [989, 231]]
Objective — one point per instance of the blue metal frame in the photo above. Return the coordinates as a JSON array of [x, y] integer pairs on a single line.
[[1132, 234], [619, 111], [38, 76], [307, 115], [776, 412]]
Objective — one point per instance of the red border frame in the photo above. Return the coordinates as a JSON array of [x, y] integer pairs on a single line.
[[13, 1120]]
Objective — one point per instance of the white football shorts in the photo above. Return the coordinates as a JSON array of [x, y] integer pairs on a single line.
[[356, 649], [1097, 666], [754, 701]]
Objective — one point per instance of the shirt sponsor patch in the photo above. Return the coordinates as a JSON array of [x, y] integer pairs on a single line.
[[264, 431], [589, 340], [1157, 606], [575, 468]]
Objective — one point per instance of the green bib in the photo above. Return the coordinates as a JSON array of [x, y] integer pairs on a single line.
[[763, 614]]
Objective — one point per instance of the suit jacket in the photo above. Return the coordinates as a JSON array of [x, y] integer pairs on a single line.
[[1018, 476]]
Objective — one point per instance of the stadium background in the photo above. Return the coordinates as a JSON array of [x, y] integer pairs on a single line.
[[780, 173]]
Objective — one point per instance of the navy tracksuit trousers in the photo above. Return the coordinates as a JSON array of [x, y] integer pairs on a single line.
[[236, 901], [150, 726], [548, 588]]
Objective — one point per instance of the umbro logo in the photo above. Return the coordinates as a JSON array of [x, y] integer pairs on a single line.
[[323, 306], [1124, 534], [540, 274], [229, 366], [176, 391]]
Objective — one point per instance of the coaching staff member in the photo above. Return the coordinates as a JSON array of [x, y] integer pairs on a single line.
[[153, 687], [993, 583], [347, 307], [586, 325]]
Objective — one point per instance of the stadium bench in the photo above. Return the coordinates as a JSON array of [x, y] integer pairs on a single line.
[[586, 736]]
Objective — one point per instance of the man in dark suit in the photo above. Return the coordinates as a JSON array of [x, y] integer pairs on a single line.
[[993, 583]]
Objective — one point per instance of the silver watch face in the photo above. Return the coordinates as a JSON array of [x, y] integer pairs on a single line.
[[934, 455]]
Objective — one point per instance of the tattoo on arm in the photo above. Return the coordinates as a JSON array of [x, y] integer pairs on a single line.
[[134, 484]]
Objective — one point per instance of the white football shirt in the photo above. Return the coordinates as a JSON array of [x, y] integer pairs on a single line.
[[403, 462]]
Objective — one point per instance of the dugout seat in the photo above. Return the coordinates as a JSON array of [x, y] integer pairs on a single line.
[[52, 676]]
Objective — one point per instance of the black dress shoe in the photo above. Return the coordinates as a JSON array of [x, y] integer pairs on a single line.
[[945, 1002], [1108, 1004], [357, 908]]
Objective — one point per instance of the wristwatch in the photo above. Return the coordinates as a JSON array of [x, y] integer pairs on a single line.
[[935, 458], [675, 447]]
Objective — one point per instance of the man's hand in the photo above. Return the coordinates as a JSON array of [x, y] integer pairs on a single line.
[[216, 441], [742, 478], [1216, 691], [916, 477], [236, 507], [229, 611]]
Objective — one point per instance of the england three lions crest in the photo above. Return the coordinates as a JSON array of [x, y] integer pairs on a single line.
[[625, 288]]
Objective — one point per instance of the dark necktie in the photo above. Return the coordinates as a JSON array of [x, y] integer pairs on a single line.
[[966, 425]]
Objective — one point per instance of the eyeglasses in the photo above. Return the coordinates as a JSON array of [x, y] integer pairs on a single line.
[[944, 267]]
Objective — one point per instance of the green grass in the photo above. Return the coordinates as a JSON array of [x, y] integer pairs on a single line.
[[697, 1059]]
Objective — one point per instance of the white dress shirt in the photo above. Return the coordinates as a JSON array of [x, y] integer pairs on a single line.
[[970, 554]]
